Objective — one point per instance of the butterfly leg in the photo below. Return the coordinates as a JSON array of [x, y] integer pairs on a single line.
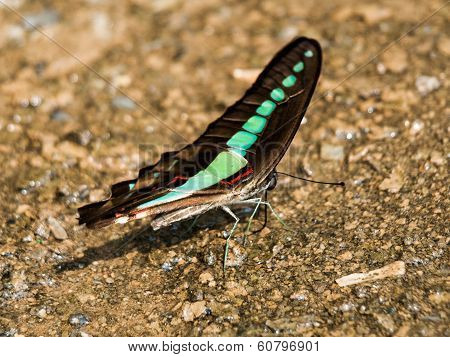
[[265, 215], [258, 202], [247, 230], [236, 218], [191, 226], [277, 216]]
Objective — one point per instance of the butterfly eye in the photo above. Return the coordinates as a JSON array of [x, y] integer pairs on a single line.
[[272, 181]]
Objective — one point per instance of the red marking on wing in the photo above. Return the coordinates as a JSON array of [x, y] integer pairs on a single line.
[[176, 178], [237, 178]]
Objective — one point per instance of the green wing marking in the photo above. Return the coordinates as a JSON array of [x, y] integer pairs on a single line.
[[226, 164]]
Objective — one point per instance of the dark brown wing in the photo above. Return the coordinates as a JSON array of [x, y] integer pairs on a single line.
[[301, 59], [285, 120]]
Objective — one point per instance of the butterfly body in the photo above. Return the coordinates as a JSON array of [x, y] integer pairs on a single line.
[[235, 158]]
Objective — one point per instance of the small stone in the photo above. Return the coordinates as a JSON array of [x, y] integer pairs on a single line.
[[41, 313], [96, 195], [437, 158], [40, 19], [84, 298], [233, 288], [378, 133], [19, 283], [168, 265], [276, 295], [193, 310], [427, 84], [109, 280], [288, 32], [373, 13], [345, 256], [78, 320], [299, 296], [265, 232], [394, 182], [42, 231], [416, 127], [122, 102], [210, 258], [440, 298], [15, 33], [121, 80], [394, 269], [57, 229], [332, 152], [21, 209], [349, 226], [27, 239], [395, 59], [345, 307], [60, 115], [236, 255], [246, 75], [71, 149], [386, 321], [206, 277]]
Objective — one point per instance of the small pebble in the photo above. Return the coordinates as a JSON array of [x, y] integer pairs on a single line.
[[236, 255], [15, 33], [416, 127], [332, 152], [27, 239], [210, 258], [395, 60], [345, 307], [193, 310], [78, 320], [122, 102], [427, 84], [394, 269], [299, 296], [345, 256], [42, 231], [60, 115], [394, 182], [246, 75], [386, 321], [206, 277], [40, 19], [57, 229], [41, 312]]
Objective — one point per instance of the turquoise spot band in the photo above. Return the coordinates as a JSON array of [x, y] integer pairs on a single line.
[[299, 67], [266, 108], [289, 81], [242, 140], [255, 124], [277, 94]]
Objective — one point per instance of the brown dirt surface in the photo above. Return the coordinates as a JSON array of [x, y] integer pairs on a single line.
[[68, 131]]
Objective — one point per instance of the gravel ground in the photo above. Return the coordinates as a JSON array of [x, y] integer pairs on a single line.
[[68, 131]]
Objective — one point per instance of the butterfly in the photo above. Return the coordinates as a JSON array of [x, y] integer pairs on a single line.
[[233, 162]]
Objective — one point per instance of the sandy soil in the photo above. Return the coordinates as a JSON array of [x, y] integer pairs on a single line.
[[67, 132]]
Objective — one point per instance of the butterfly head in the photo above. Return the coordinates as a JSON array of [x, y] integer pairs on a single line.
[[271, 182]]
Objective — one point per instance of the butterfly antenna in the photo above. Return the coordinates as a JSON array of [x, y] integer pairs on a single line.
[[340, 183]]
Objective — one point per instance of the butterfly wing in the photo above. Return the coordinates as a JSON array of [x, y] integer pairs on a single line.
[[288, 81], [239, 149]]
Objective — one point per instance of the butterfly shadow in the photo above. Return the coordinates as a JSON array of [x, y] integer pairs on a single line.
[[144, 239]]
